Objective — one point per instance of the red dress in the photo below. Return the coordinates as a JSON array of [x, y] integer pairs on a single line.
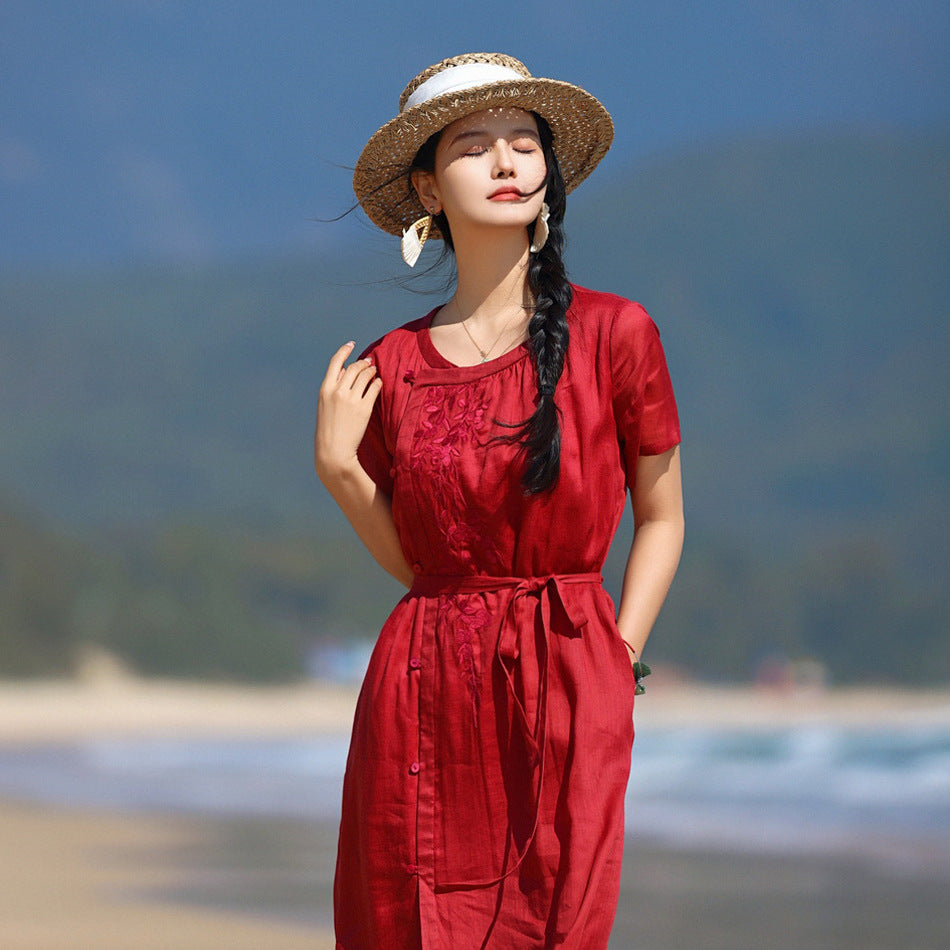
[[484, 789]]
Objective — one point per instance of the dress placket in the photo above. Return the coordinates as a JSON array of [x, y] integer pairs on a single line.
[[425, 778], [423, 770]]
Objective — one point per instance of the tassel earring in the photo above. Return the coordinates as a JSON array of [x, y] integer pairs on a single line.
[[541, 228], [414, 237]]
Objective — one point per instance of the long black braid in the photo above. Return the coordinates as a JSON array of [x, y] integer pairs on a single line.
[[540, 434]]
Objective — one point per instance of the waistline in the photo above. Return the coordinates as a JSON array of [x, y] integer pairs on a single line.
[[427, 585]]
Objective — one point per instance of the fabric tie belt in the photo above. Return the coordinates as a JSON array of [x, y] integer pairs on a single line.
[[558, 614]]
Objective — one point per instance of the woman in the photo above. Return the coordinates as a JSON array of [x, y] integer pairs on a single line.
[[482, 454]]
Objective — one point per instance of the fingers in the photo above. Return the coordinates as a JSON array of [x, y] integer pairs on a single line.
[[338, 359], [353, 380], [357, 375], [340, 376]]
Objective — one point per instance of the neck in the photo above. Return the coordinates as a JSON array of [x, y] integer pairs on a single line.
[[492, 276]]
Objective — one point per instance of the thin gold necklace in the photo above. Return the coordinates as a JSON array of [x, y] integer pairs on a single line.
[[485, 354]]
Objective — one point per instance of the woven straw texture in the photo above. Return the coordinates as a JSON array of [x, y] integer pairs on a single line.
[[581, 127]]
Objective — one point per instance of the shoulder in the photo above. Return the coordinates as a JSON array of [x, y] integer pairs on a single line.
[[593, 302], [608, 323]]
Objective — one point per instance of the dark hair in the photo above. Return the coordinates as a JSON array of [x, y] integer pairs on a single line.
[[539, 435]]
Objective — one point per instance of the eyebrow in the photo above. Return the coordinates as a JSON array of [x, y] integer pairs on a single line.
[[484, 133]]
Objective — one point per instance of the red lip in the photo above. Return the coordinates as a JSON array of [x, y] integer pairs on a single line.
[[507, 194]]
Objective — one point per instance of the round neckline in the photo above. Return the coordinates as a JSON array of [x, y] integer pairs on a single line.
[[436, 360]]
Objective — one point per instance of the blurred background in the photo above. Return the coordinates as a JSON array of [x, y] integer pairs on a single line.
[[171, 287]]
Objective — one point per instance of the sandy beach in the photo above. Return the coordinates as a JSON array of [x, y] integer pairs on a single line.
[[81, 881], [101, 880], [34, 712], [89, 881]]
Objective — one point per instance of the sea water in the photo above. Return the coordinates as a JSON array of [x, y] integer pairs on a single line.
[[881, 793], [796, 789]]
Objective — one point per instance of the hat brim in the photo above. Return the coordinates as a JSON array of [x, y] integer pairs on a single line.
[[581, 127]]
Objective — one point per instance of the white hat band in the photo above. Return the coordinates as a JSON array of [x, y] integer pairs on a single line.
[[457, 78]]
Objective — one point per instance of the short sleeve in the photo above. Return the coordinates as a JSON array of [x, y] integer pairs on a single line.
[[374, 453], [643, 400]]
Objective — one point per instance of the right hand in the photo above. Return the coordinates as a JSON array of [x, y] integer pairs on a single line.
[[347, 397]]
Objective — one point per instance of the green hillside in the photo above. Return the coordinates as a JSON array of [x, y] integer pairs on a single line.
[[801, 288], [217, 601]]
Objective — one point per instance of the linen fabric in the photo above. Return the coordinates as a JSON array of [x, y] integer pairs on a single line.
[[484, 791]]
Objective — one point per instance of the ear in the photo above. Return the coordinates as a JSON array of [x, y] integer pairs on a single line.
[[424, 183]]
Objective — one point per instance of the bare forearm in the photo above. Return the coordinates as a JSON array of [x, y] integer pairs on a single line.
[[657, 500], [369, 511], [652, 563]]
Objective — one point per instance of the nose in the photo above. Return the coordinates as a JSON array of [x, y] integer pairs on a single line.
[[504, 160]]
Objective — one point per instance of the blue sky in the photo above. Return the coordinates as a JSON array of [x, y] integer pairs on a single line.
[[139, 129]]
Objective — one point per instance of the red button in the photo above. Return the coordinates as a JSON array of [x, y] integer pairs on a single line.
[[412, 869], [414, 768], [415, 662]]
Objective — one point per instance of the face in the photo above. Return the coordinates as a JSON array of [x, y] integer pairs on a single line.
[[488, 167]]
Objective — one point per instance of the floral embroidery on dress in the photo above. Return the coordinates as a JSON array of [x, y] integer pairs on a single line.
[[452, 419], [467, 616]]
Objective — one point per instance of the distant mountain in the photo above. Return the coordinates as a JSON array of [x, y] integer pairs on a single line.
[[801, 289]]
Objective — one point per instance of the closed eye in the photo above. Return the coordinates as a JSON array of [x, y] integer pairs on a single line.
[[481, 150]]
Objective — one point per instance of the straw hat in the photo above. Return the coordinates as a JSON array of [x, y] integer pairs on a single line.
[[457, 87]]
